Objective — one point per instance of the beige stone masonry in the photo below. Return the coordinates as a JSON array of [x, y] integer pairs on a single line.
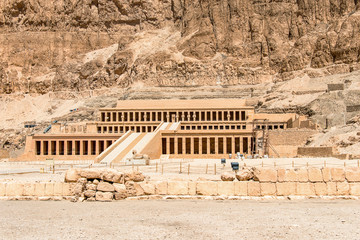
[[290, 175], [268, 189], [266, 175], [305, 189], [192, 188], [208, 188], [178, 188], [161, 187], [241, 188], [352, 174], [315, 175], [2, 189], [281, 174], [342, 188], [286, 188], [354, 189], [320, 188], [337, 174], [331, 188], [326, 172], [254, 188], [14, 189], [302, 175], [226, 188], [29, 189]]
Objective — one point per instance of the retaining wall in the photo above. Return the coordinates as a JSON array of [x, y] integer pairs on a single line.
[[270, 182]]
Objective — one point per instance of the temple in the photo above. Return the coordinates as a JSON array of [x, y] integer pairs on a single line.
[[206, 128]]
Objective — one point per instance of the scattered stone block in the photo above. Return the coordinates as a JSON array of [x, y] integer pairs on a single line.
[[302, 175], [138, 189], [49, 189], [315, 175], [320, 188], [305, 189], [192, 188], [244, 175], [178, 188], [354, 189], [281, 175], [268, 189], [265, 175], [241, 188], [72, 175], [352, 174], [120, 196], [14, 189], [118, 187], [89, 193], [337, 174], [105, 187], [161, 187], [149, 188], [207, 188], [342, 188], [254, 188], [134, 176], [286, 188], [326, 173], [111, 175], [331, 188], [227, 176], [91, 186], [104, 196], [91, 173], [226, 188]]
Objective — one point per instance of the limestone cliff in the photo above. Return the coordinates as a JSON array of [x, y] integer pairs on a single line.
[[45, 44]]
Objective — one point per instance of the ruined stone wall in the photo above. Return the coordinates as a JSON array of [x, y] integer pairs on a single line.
[[316, 151], [280, 182]]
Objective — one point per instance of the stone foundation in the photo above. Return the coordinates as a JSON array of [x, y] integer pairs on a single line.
[[270, 183]]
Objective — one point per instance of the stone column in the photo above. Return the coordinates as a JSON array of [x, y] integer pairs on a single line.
[[249, 145], [216, 145], [241, 145], [192, 145], [81, 147], [183, 116], [167, 117], [73, 147], [208, 145], [200, 145], [233, 146], [176, 145], [183, 145], [97, 147]]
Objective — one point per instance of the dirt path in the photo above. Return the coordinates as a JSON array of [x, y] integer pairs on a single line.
[[316, 219]]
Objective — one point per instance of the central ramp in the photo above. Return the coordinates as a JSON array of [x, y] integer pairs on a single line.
[[123, 148]]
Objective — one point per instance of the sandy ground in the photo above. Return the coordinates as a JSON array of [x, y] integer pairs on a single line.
[[181, 219]]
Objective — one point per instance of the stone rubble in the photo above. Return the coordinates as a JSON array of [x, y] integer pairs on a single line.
[[106, 184]]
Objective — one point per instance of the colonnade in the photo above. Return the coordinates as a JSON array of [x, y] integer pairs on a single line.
[[71, 147], [206, 145], [172, 116]]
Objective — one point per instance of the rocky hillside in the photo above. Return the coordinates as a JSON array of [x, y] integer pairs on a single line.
[[45, 44]]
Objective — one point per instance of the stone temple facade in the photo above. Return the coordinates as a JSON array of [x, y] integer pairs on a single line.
[[211, 128]]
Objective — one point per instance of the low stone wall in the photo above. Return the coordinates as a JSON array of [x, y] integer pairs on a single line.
[[308, 182], [42, 189]]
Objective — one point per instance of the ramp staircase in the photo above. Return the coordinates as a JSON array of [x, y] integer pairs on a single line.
[[122, 148]]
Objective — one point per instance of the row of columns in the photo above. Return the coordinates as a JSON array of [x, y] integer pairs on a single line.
[[71, 147], [122, 129], [242, 148], [175, 116]]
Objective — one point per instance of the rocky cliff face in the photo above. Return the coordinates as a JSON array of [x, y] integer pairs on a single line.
[[76, 45]]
